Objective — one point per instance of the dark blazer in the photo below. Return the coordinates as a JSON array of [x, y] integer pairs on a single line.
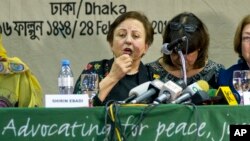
[[121, 90]]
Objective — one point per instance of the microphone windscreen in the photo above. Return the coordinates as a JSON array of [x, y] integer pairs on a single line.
[[212, 92], [203, 84]]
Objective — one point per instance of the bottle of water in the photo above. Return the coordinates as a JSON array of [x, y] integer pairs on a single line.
[[65, 78]]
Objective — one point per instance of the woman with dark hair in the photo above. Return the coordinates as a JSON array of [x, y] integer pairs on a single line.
[[194, 49], [129, 37], [242, 48]]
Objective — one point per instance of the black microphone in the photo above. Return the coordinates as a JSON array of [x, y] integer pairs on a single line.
[[191, 90], [153, 89], [136, 91], [200, 98], [223, 95], [213, 98], [169, 90], [168, 47]]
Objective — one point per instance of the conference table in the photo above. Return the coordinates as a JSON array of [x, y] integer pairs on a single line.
[[138, 122]]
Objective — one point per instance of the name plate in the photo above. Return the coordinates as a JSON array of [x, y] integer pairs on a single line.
[[67, 100]]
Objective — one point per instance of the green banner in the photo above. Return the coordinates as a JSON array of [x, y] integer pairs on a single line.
[[151, 123]]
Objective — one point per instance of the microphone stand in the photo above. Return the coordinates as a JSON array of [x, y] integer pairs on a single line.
[[183, 64]]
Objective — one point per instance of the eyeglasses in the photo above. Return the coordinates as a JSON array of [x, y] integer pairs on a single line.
[[11, 67], [187, 27]]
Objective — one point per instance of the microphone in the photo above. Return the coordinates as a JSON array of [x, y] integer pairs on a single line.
[[213, 98], [169, 90], [227, 96], [200, 85], [136, 91], [212, 92], [168, 47], [153, 88], [200, 98]]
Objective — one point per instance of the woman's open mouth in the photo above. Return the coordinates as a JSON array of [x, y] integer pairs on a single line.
[[127, 51]]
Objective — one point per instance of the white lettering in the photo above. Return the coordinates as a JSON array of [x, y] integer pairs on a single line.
[[237, 132], [64, 128], [200, 129], [23, 129], [159, 130], [86, 129], [170, 127], [50, 132], [240, 132], [182, 128], [194, 126], [10, 126]]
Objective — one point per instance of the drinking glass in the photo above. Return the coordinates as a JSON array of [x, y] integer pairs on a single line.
[[237, 83], [90, 86], [245, 83], [245, 79], [237, 80]]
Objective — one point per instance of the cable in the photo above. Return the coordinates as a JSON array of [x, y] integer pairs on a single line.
[[147, 109], [183, 63], [108, 137], [118, 124], [112, 118], [112, 112], [196, 115]]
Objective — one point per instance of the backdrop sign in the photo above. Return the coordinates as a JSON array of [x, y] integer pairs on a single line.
[[43, 32], [164, 122]]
